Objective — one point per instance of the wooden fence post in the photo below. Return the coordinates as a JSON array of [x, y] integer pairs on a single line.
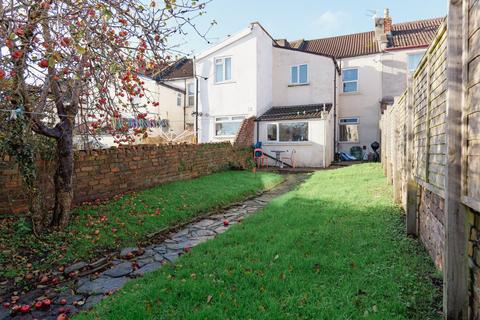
[[411, 212], [455, 294]]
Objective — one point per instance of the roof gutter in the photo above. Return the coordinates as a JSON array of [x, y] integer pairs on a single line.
[[314, 53], [407, 47]]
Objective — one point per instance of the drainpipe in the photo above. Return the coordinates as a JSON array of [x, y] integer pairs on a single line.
[[335, 109], [258, 131], [324, 117], [185, 105], [196, 108]]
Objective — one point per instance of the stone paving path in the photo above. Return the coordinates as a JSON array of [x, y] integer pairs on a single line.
[[84, 292]]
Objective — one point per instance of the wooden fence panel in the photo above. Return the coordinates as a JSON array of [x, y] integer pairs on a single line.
[[423, 136], [472, 109]]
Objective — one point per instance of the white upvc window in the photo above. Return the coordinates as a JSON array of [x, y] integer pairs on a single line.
[[348, 129], [179, 99], [191, 94], [223, 69], [228, 126], [414, 61], [299, 74], [350, 80], [287, 131]]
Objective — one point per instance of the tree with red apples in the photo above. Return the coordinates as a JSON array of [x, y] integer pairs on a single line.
[[80, 60]]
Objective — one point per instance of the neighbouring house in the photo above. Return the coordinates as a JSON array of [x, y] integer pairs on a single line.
[[178, 77], [249, 74], [345, 80], [173, 87]]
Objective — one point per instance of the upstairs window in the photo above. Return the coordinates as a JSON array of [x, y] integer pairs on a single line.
[[348, 128], [191, 94], [413, 61], [223, 69], [299, 74], [350, 80]]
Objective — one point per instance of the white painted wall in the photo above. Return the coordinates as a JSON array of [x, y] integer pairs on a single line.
[[308, 153], [260, 79], [321, 73], [237, 97], [380, 76], [395, 71], [365, 103]]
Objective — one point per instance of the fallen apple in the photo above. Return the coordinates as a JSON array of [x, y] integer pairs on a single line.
[[63, 301], [62, 316], [38, 305], [25, 308], [226, 223], [47, 303]]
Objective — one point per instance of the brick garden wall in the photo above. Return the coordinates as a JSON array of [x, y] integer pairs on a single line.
[[102, 174]]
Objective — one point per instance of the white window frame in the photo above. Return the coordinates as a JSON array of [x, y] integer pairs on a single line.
[[227, 119], [298, 83], [179, 99], [412, 55], [221, 61], [277, 124], [190, 94], [356, 122], [349, 81]]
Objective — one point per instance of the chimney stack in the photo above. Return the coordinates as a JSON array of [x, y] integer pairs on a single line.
[[383, 30], [387, 22]]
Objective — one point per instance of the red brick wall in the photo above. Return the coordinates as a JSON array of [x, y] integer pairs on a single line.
[[245, 135], [102, 174]]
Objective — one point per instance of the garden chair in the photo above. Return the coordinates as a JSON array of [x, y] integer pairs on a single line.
[[260, 158], [290, 158]]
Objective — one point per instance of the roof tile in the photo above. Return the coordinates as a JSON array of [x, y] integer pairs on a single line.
[[408, 34], [309, 111]]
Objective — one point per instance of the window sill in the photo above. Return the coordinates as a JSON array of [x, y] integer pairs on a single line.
[[298, 85], [349, 142], [356, 93], [224, 137], [223, 82], [287, 143]]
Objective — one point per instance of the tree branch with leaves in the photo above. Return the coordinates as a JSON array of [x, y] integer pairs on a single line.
[[80, 60]]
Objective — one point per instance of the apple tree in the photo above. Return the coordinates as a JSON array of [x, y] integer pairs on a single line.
[[75, 63]]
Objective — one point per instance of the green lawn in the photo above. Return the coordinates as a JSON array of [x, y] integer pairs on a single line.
[[333, 249], [125, 221]]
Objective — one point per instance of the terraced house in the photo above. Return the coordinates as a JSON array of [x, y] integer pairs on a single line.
[[317, 96]]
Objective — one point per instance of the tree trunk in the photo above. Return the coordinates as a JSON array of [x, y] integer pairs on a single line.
[[63, 177]]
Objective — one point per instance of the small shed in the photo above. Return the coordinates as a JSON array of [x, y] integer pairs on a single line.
[[307, 131]]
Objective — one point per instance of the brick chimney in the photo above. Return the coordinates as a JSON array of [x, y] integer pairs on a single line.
[[387, 22], [383, 30]]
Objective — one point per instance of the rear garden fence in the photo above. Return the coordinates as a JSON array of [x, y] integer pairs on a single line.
[[431, 154]]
